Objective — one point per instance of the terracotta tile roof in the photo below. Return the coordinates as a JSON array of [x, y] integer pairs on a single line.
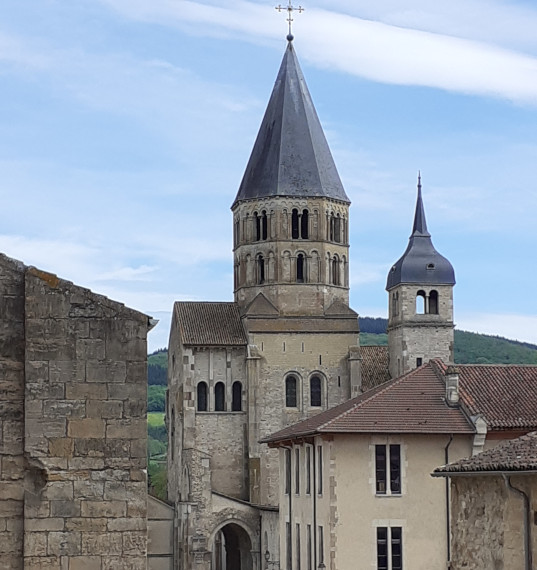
[[515, 455], [504, 394], [374, 366], [413, 403], [210, 324]]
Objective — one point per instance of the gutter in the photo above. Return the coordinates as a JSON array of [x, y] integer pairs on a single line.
[[448, 503]]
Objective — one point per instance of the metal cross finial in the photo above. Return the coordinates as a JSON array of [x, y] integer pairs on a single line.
[[419, 180], [290, 9]]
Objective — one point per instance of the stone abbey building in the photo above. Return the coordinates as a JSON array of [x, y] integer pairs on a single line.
[[288, 347]]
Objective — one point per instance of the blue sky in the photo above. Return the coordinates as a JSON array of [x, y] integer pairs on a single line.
[[127, 124]]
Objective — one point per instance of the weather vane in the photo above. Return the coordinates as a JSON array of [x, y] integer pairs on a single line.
[[290, 9]]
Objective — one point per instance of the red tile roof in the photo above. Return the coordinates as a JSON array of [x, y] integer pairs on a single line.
[[515, 455], [210, 324], [413, 403], [504, 394]]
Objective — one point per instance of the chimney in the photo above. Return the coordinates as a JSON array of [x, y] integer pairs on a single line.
[[452, 386]]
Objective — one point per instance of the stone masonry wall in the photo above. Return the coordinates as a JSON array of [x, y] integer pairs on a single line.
[[85, 430], [11, 413]]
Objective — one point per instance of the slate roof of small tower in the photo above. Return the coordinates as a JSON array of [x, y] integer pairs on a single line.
[[421, 263], [291, 156]]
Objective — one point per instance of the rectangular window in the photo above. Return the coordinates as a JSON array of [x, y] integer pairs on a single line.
[[389, 548], [297, 555], [388, 469], [287, 471], [320, 470], [309, 553], [308, 470], [297, 470], [321, 545]]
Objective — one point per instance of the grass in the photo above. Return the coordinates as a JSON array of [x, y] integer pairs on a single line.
[[155, 419]]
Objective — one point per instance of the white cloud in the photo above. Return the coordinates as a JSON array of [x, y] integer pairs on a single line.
[[512, 326], [375, 50]]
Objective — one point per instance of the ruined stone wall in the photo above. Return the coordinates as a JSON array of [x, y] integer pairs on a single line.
[[487, 523], [11, 413], [85, 429]]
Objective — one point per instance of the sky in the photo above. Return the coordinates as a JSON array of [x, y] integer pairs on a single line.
[[126, 126]]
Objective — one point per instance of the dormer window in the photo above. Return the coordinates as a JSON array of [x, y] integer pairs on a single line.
[[430, 266]]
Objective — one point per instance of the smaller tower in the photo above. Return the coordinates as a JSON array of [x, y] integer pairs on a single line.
[[420, 290]]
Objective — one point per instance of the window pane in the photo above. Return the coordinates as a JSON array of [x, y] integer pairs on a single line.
[[395, 468], [397, 548], [290, 392], [202, 397], [382, 548], [297, 471], [287, 471], [308, 470], [380, 468], [315, 391], [320, 469], [219, 397], [236, 403]]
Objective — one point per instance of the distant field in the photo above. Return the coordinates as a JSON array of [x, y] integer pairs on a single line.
[[155, 419]]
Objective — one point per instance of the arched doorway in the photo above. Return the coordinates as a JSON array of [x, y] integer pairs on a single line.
[[232, 549]]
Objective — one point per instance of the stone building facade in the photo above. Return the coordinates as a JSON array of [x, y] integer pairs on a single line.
[[285, 350], [73, 488]]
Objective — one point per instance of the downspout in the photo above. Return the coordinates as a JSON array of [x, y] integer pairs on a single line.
[[290, 535], [527, 521], [314, 496], [448, 503]]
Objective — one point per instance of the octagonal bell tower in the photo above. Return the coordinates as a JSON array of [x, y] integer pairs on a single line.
[[420, 290], [291, 212]]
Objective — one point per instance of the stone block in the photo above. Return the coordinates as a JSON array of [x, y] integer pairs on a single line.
[[124, 563], [105, 409], [86, 391], [90, 349], [134, 391], [104, 508], [11, 490], [10, 508], [118, 447], [37, 511], [134, 543], [110, 475], [109, 371], [85, 563], [126, 429], [138, 475], [65, 508], [42, 563], [37, 372], [87, 524], [35, 544], [139, 448], [47, 427], [44, 391], [61, 447], [64, 543], [12, 467], [69, 371], [89, 489], [45, 524], [86, 428], [134, 408], [108, 543], [123, 524], [137, 507], [64, 408], [58, 491], [86, 463]]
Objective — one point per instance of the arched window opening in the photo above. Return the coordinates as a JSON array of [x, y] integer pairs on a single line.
[[395, 304], [420, 303], [219, 397], [257, 221], [264, 230], [304, 225], [237, 231], [331, 227], [290, 392], [300, 268], [335, 270], [315, 391], [433, 302], [337, 229], [260, 270], [294, 225], [236, 397], [202, 397]]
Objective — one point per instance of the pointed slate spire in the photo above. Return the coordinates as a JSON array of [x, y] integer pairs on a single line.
[[420, 224], [290, 155], [421, 263]]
